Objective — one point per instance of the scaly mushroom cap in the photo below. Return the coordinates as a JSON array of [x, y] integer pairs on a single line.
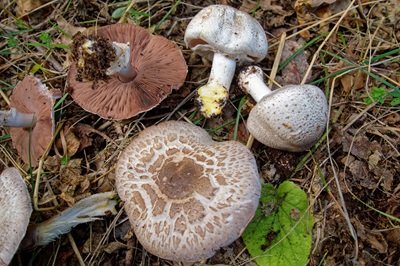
[[292, 118], [159, 65], [226, 30], [32, 96], [15, 209], [186, 195]]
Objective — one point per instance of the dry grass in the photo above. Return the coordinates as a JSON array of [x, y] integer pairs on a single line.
[[351, 175]]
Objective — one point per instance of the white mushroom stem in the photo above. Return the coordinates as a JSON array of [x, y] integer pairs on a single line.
[[213, 95], [14, 118], [222, 71], [121, 65], [84, 211], [251, 81]]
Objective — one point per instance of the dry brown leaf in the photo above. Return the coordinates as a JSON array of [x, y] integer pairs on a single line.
[[67, 198], [72, 143], [92, 242], [271, 12], [26, 6], [114, 246], [354, 80], [377, 241], [69, 30], [295, 70]]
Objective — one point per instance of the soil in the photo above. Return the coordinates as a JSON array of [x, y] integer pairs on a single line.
[[92, 62]]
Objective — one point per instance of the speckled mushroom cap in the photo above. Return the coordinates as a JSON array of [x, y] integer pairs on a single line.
[[15, 209], [226, 30], [186, 195], [32, 96], [292, 118], [160, 67]]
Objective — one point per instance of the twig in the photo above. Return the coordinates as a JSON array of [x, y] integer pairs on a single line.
[[76, 250]]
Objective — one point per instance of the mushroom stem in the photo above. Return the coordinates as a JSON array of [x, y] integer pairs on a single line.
[[252, 82], [213, 95], [121, 66], [84, 211], [14, 118]]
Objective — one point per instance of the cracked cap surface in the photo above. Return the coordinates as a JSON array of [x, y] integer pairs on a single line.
[[186, 195]]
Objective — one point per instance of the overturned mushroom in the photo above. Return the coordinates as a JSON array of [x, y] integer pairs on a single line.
[[31, 118], [186, 195], [227, 36], [122, 70], [292, 118], [15, 209]]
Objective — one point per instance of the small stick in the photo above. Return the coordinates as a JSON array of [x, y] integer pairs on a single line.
[[76, 250]]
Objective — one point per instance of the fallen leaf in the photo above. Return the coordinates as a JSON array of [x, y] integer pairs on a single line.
[[26, 6], [354, 80], [271, 12], [70, 141], [114, 246], [359, 145], [68, 30], [92, 242], [296, 68]]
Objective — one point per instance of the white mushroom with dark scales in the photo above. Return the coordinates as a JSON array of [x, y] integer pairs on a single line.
[[292, 118], [186, 195], [227, 36], [15, 209]]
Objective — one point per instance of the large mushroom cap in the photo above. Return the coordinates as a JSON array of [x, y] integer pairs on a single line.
[[160, 67], [291, 118], [15, 209], [186, 195], [32, 96], [226, 30]]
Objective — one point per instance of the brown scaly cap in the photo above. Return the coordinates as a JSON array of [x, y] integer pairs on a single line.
[[160, 67], [15, 209], [32, 96], [186, 195]]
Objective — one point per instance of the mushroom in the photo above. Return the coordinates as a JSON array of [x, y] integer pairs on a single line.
[[31, 118], [122, 70], [227, 36], [186, 195], [15, 209], [292, 118]]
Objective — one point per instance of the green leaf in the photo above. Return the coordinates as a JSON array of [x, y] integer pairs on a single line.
[[280, 232], [395, 101], [117, 13], [11, 41], [45, 38]]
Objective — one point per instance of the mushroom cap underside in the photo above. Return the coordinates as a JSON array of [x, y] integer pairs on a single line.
[[15, 209], [226, 30], [185, 194], [160, 68], [32, 96], [291, 118]]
